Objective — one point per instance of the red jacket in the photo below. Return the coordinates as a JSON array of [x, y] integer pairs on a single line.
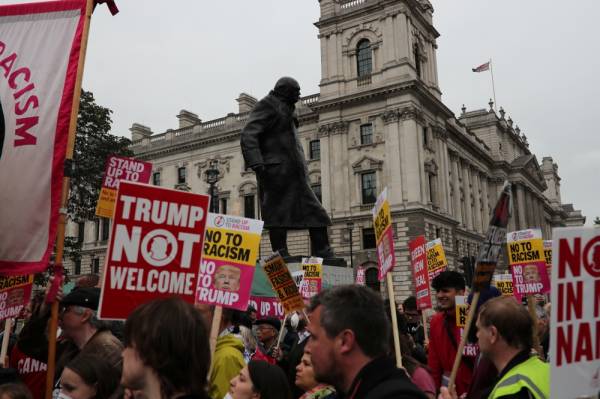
[[442, 351]]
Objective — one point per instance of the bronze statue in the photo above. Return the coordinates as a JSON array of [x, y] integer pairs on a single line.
[[272, 149]]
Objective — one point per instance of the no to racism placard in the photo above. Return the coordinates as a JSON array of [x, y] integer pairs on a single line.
[[15, 293], [504, 283], [527, 262], [462, 310], [382, 222], [575, 323], [418, 261], [40, 47], [230, 252], [155, 247], [436, 258], [312, 278], [548, 257], [118, 169], [283, 284]]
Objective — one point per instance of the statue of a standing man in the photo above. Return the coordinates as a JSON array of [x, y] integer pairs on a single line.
[[272, 149]]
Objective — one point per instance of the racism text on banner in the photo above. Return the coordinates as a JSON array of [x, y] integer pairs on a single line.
[[283, 284], [360, 275], [490, 249], [227, 268], [312, 278], [15, 293], [548, 257], [154, 249], [527, 262], [117, 169], [504, 283], [39, 54], [267, 306], [436, 258], [575, 321], [382, 222], [418, 261]]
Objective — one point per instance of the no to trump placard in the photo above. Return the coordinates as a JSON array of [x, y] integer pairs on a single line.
[[418, 261], [313, 277], [15, 293], [155, 247], [382, 222], [360, 275], [40, 46], [283, 284], [575, 324], [527, 262], [118, 169], [230, 252], [436, 258]]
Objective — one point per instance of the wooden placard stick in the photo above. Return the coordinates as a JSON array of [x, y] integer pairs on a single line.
[[534, 330], [214, 334], [5, 340], [390, 287], [463, 339], [60, 235], [280, 337]]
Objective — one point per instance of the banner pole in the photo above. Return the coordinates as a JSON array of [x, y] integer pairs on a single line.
[[463, 339], [280, 337], [390, 288], [5, 340], [493, 86], [425, 330], [214, 334], [60, 237], [534, 329]]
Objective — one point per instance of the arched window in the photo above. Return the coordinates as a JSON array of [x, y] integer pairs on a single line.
[[371, 279], [364, 58]]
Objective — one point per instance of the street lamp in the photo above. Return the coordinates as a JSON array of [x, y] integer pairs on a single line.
[[350, 226], [212, 177]]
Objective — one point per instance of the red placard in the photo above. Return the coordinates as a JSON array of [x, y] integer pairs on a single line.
[[418, 261], [155, 247]]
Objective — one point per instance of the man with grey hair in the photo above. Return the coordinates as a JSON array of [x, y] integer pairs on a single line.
[[82, 332], [348, 344]]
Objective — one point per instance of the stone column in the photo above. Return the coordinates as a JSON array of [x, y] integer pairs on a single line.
[[484, 192], [412, 161], [392, 156], [456, 190], [520, 204], [327, 193], [467, 191], [388, 41], [477, 196]]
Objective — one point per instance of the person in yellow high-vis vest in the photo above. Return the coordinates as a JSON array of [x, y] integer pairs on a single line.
[[504, 331]]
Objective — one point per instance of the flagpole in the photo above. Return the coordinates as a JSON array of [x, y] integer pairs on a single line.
[[493, 86], [60, 238]]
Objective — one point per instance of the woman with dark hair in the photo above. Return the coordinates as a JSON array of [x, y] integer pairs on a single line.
[[89, 377], [260, 380]]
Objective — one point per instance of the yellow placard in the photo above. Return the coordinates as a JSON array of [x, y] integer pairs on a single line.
[[525, 251], [382, 220], [231, 246], [312, 270], [106, 203], [8, 282], [462, 310], [505, 286], [436, 257]]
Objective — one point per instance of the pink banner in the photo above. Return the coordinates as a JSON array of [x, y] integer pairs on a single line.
[[530, 279], [418, 260], [267, 306], [225, 283]]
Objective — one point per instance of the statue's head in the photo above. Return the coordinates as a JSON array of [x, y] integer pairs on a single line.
[[287, 89]]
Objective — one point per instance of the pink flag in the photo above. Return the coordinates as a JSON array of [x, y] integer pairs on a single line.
[[482, 67]]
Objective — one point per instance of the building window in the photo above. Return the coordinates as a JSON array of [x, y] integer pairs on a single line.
[[431, 181], [77, 267], [97, 228], [417, 55], [368, 188], [317, 190], [105, 228], [315, 149], [249, 206], [156, 178], [96, 265], [425, 137], [223, 206], [368, 238], [181, 175], [364, 58], [366, 134], [80, 232], [372, 279]]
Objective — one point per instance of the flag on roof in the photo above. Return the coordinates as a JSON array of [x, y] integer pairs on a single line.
[[482, 67]]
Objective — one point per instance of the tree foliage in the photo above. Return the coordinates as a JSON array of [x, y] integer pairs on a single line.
[[93, 144]]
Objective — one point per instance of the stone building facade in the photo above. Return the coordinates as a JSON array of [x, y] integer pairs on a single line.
[[378, 121]]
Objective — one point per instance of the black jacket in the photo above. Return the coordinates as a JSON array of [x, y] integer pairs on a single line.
[[270, 140], [380, 379]]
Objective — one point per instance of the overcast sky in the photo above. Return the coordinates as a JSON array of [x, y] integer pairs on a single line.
[[157, 57]]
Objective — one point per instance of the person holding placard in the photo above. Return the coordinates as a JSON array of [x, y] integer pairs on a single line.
[[267, 331], [445, 334]]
